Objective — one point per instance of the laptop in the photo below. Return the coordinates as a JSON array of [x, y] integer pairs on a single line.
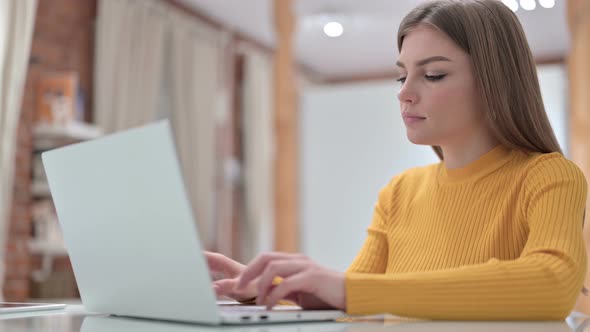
[[131, 236], [125, 324]]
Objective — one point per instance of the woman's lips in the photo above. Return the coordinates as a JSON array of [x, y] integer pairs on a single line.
[[412, 118]]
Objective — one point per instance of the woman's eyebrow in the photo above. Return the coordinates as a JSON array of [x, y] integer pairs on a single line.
[[425, 61]]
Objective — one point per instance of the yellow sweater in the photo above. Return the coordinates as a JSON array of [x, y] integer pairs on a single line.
[[500, 239]]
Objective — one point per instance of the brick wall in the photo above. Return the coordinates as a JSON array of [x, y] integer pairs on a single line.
[[63, 40]]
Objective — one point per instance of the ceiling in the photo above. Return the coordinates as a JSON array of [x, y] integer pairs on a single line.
[[368, 44]]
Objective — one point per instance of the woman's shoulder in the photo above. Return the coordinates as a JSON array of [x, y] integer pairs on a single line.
[[402, 186], [421, 173], [412, 177], [544, 166]]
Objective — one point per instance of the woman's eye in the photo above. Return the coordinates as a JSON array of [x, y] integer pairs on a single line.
[[402, 80], [434, 78]]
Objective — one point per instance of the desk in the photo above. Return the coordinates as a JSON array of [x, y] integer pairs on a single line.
[[76, 319]]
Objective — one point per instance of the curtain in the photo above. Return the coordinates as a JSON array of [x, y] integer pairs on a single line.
[[258, 142], [198, 95], [153, 61], [128, 65], [17, 19]]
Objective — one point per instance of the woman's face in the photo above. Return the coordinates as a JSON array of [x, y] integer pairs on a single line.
[[438, 95]]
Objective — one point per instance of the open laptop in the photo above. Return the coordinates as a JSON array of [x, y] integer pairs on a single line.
[[131, 236], [126, 324]]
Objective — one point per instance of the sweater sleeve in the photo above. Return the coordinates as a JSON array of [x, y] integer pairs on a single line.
[[373, 256], [542, 284]]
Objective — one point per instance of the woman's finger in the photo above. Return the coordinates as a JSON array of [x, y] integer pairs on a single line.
[[257, 266], [274, 269], [300, 282], [214, 260], [224, 287], [219, 263]]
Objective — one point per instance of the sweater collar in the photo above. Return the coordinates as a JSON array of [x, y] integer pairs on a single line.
[[488, 162]]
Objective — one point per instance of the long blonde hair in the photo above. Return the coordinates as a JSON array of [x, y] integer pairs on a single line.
[[504, 67]]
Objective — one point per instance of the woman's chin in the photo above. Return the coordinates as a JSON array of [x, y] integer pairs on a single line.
[[418, 140]]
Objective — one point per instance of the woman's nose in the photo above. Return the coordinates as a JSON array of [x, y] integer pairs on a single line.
[[407, 95]]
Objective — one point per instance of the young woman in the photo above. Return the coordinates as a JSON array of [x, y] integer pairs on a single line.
[[493, 231]]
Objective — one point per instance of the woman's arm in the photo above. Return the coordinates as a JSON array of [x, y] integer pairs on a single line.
[[373, 256]]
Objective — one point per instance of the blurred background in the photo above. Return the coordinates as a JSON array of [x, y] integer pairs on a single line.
[[284, 113]]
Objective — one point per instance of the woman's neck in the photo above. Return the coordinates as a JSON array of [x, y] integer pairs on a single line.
[[466, 151]]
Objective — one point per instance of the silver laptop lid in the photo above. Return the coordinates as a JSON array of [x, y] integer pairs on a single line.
[[128, 226]]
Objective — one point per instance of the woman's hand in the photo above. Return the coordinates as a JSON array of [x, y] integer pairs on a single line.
[[308, 284], [224, 272]]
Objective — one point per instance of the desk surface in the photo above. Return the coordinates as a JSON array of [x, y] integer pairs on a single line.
[[76, 319]]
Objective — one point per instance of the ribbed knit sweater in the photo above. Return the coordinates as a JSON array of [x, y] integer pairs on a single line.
[[499, 239]]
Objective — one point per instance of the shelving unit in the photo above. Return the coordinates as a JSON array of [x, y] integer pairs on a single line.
[[47, 241], [40, 188], [46, 136]]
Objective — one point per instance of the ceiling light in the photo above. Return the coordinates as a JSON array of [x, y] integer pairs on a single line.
[[333, 29], [528, 4], [512, 4], [547, 3]]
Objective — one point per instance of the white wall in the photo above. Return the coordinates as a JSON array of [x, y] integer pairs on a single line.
[[553, 81], [353, 142]]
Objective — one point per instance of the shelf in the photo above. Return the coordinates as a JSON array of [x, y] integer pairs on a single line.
[[48, 136], [40, 189], [48, 251], [47, 248]]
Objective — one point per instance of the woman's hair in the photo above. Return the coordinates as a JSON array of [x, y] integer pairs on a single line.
[[503, 64]]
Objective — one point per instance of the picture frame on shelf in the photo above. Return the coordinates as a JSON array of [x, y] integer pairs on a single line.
[[56, 97]]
